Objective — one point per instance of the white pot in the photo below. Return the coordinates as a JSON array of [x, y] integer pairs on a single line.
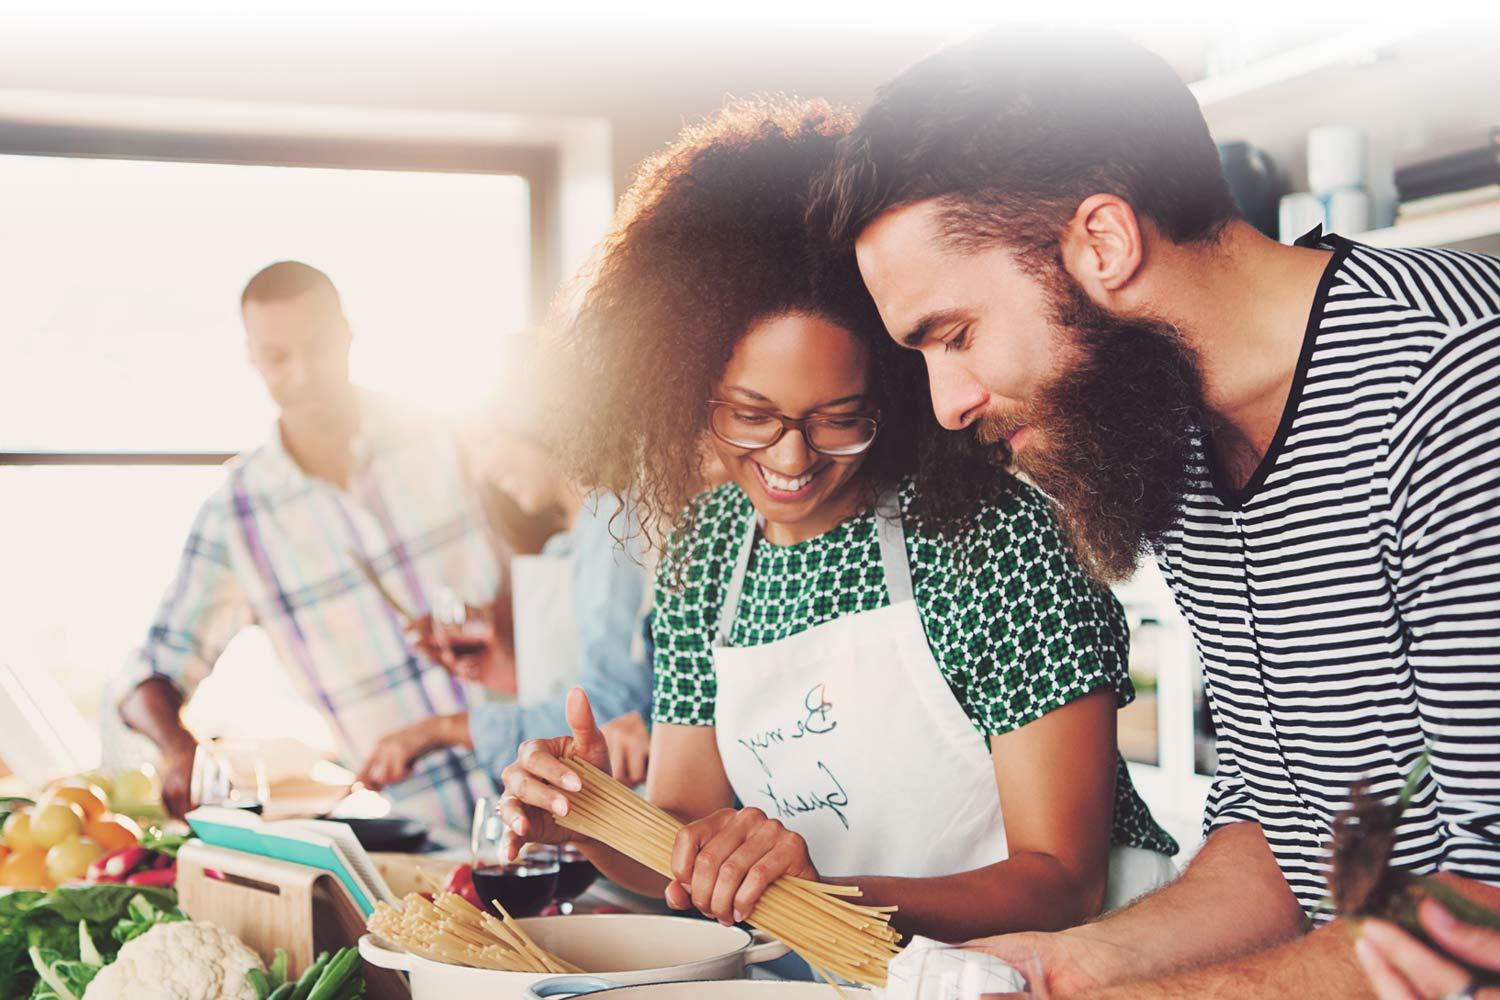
[[626, 948], [760, 989]]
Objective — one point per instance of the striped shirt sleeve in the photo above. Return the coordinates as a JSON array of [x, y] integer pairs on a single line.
[[203, 608], [1445, 549]]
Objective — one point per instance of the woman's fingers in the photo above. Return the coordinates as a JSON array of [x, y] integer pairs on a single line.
[[1395, 960], [787, 853], [755, 859], [713, 862], [677, 896], [516, 816], [541, 760], [691, 838], [1478, 946]]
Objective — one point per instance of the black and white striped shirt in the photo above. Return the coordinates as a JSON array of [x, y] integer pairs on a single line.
[[1346, 601]]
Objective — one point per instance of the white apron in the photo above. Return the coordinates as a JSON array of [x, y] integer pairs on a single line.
[[545, 628], [849, 735]]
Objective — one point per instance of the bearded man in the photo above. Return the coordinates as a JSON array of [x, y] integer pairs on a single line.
[[1307, 437]]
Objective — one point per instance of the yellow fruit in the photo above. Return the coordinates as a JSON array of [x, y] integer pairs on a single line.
[[113, 832], [17, 832], [89, 798], [70, 859], [135, 787], [56, 821], [25, 870]]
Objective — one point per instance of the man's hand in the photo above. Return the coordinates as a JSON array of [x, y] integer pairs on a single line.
[[392, 759], [177, 777], [629, 747], [493, 665], [1402, 968]]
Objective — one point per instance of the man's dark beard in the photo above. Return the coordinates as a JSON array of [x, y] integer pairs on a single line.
[[1116, 432]]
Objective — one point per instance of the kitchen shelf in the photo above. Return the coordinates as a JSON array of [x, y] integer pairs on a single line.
[[1459, 226], [1354, 49]]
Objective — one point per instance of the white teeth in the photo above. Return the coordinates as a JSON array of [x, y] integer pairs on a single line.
[[782, 483]]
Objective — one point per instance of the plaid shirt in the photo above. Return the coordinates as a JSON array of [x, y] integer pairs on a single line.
[[272, 546]]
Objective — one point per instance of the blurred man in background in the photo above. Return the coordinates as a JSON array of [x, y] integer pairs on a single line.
[[347, 489]]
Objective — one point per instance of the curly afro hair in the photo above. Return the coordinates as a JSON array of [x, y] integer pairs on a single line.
[[710, 240]]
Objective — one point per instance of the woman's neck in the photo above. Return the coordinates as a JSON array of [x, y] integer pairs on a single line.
[[848, 501]]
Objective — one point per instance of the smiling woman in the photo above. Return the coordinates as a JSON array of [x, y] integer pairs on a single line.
[[868, 675]]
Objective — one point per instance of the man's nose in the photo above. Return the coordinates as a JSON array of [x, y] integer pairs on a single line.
[[957, 399]]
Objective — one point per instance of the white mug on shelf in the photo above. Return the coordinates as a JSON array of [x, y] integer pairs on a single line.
[[1298, 213], [1335, 158], [1347, 211]]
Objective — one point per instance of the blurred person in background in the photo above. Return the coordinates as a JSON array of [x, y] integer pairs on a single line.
[[579, 609], [348, 482]]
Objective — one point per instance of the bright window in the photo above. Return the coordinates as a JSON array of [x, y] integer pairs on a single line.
[[120, 332]]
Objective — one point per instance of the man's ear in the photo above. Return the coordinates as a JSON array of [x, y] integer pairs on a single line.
[[1102, 248]]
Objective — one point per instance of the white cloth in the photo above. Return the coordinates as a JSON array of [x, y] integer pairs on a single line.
[[545, 627], [849, 734], [930, 970]]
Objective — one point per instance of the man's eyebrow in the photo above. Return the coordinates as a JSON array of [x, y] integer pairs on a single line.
[[924, 326]]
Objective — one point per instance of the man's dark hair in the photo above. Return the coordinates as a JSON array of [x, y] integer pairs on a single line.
[[287, 279], [1014, 128]]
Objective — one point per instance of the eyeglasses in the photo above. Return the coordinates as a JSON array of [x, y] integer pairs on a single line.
[[836, 435]]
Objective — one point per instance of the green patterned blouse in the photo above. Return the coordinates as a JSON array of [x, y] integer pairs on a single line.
[[1015, 625]]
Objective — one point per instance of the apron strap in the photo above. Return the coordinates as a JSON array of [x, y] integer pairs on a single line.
[[889, 531], [731, 605], [893, 547]]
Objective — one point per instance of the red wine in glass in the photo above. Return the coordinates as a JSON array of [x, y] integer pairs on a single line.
[[575, 873], [463, 646], [523, 889]]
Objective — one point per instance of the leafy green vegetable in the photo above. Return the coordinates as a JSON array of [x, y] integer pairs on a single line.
[[104, 903], [164, 843], [140, 916], [49, 923]]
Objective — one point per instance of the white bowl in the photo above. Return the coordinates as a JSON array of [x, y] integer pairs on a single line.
[[744, 989], [625, 948]]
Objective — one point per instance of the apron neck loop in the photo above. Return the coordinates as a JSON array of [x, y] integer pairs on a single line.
[[892, 538]]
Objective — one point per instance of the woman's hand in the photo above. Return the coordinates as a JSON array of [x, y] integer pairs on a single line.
[[629, 748], [535, 784], [1402, 968], [724, 863]]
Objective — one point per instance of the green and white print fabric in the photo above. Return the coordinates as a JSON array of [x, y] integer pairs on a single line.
[[1015, 625]]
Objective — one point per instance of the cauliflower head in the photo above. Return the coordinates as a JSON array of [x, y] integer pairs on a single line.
[[186, 960]]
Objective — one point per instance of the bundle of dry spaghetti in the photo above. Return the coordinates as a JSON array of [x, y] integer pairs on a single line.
[[833, 934], [450, 929]]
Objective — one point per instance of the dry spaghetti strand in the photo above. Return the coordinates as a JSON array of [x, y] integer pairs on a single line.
[[450, 929], [814, 919]]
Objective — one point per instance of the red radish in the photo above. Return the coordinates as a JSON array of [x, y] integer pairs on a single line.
[[158, 876], [125, 861], [163, 861]]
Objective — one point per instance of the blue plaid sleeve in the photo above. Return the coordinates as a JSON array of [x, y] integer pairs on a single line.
[[202, 609]]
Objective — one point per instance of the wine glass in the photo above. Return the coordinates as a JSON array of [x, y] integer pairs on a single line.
[[575, 872], [466, 630], [216, 781], [524, 886]]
